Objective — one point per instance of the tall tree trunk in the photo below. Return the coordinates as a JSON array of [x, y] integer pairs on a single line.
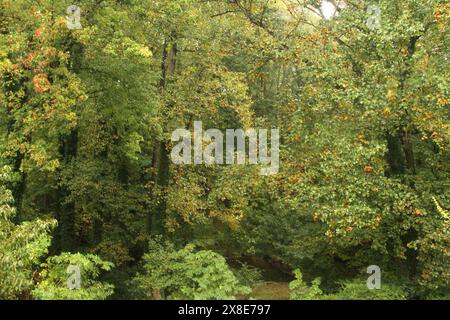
[[66, 211], [68, 151], [161, 161]]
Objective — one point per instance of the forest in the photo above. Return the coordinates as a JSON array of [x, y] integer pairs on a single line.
[[342, 191]]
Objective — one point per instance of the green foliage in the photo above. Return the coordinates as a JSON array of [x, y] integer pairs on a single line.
[[86, 118], [186, 274], [356, 289], [433, 251], [52, 284], [248, 275], [301, 291], [21, 246]]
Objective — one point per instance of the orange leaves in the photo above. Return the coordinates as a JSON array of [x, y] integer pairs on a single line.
[[321, 37], [27, 62], [418, 212], [38, 33], [368, 169], [41, 83], [360, 138], [443, 102], [434, 135], [39, 60], [425, 275], [442, 15]]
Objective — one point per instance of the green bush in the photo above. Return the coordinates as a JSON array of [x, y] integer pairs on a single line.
[[301, 291], [248, 275], [21, 245], [356, 289], [186, 274], [54, 278]]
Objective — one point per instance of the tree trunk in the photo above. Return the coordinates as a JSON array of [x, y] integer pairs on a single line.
[[161, 161]]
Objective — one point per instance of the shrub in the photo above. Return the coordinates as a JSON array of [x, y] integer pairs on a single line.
[[53, 285], [186, 274]]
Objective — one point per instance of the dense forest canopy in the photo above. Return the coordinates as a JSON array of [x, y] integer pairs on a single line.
[[91, 94]]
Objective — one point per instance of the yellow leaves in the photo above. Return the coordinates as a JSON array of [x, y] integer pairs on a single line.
[[387, 112], [293, 179], [434, 135], [392, 88], [231, 217], [424, 63], [172, 224], [330, 234], [5, 65], [316, 216], [260, 76], [360, 138], [442, 15], [61, 22], [378, 220], [342, 117], [42, 161], [445, 214], [311, 90], [317, 38], [443, 101], [325, 153], [121, 45], [41, 157], [427, 115]]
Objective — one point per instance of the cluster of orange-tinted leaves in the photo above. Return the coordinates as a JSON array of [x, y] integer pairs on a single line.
[[38, 59], [321, 37], [442, 15], [35, 61], [41, 83]]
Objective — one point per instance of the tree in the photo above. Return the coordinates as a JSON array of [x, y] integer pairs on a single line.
[[300, 291], [21, 246], [86, 117], [186, 274], [53, 279]]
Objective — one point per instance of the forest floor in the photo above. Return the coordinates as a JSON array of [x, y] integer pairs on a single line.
[[271, 291]]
